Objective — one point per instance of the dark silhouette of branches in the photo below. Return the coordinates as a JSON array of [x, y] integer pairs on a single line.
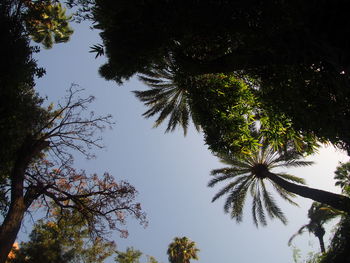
[[42, 174]]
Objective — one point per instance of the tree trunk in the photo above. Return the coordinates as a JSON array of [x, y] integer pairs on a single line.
[[10, 228], [19, 202], [336, 201], [320, 239]]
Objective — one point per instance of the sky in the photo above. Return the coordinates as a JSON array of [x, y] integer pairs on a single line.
[[171, 171]]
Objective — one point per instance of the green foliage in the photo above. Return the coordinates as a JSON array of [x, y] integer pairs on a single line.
[[64, 239], [47, 22], [226, 108], [182, 250], [295, 50], [129, 256], [132, 255], [248, 175], [20, 106], [342, 177], [229, 110]]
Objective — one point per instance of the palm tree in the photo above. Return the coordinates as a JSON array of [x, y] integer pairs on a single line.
[[167, 96], [249, 174], [319, 214], [182, 250]]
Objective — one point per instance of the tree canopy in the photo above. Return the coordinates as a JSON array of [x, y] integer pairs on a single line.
[[296, 51]]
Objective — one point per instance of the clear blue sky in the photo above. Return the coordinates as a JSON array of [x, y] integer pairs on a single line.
[[171, 172]]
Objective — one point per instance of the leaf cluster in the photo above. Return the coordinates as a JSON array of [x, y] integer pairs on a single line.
[[234, 119], [47, 23]]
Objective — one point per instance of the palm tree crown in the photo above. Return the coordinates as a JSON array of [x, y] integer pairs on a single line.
[[182, 250], [167, 96], [248, 174]]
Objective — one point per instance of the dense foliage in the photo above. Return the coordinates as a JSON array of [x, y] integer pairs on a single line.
[[295, 50], [36, 153], [230, 111]]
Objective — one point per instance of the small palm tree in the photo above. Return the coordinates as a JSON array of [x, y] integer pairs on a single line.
[[182, 250], [167, 96], [319, 214], [248, 175]]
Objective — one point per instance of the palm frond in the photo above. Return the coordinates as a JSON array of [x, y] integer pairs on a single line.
[[228, 159], [98, 49], [251, 171], [296, 163], [271, 207], [224, 176], [167, 96], [235, 200], [228, 188], [257, 207], [299, 232]]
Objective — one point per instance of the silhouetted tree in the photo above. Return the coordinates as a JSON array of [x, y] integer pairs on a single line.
[[249, 174], [318, 215], [297, 51], [36, 178]]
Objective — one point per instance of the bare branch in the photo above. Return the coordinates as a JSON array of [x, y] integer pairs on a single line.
[[99, 199]]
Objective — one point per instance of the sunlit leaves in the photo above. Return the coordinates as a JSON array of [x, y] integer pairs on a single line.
[[182, 250], [47, 22], [230, 111]]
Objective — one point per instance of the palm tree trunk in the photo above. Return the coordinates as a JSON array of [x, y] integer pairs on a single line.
[[336, 201], [320, 239]]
